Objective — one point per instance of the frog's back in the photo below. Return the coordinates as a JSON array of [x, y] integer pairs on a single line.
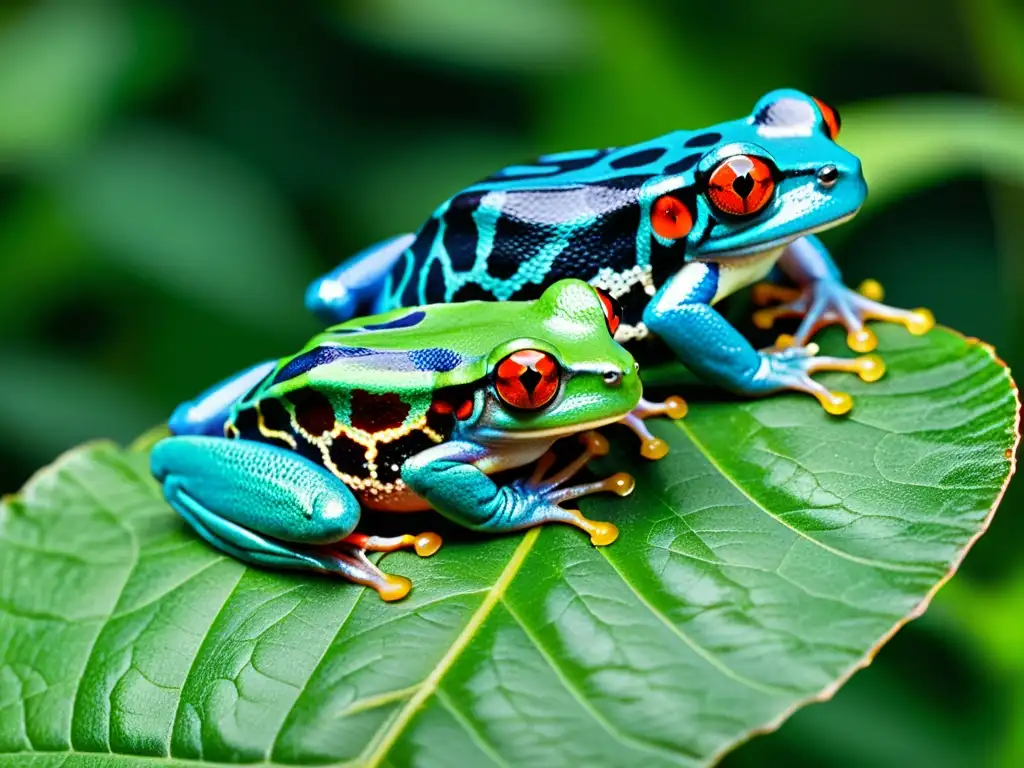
[[571, 214], [362, 397]]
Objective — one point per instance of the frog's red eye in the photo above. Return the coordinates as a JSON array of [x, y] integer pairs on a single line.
[[741, 185], [527, 379], [612, 310], [831, 117], [670, 217]]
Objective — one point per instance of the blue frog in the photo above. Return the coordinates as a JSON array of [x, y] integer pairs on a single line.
[[668, 227]]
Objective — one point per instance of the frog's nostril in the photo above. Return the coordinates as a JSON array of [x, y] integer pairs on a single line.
[[828, 175], [613, 378]]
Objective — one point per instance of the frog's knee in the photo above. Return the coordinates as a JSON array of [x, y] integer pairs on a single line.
[[258, 486]]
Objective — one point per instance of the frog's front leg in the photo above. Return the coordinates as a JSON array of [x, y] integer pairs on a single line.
[[821, 299], [270, 507], [448, 478], [681, 315]]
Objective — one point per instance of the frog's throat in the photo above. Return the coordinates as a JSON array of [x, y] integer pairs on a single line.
[[501, 435], [778, 242]]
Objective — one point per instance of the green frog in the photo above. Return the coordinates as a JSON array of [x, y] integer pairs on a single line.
[[409, 410]]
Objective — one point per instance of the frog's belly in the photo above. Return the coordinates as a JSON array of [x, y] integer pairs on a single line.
[[508, 454], [399, 500]]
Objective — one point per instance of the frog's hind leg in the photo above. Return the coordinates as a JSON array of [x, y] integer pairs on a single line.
[[354, 285], [207, 414], [652, 447], [267, 506]]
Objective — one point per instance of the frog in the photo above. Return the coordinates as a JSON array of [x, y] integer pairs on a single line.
[[409, 410], [669, 227]]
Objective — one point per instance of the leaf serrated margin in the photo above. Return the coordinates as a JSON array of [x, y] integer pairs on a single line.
[[864, 661]]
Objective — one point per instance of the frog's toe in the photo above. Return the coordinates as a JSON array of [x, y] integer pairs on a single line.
[[652, 447], [765, 318], [792, 369], [594, 444], [347, 558], [392, 588], [871, 289], [601, 533], [868, 367], [834, 403], [621, 484], [425, 544], [917, 321], [861, 339]]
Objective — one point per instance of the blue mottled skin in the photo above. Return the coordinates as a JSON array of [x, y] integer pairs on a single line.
[[590, 214], [406, 411]]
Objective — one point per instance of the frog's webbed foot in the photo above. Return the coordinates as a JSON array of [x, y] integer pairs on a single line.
[[348, 557], [786, 366], [351, 562], [827, 301], [652, 447], [551, 491]]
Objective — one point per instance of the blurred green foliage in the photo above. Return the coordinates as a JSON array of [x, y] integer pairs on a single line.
[[173, 172]]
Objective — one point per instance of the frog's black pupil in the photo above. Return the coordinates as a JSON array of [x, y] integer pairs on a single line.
[[828, 173], [530, 378], [743, 185]]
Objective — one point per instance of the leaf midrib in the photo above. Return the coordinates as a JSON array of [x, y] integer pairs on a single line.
[[430, 683]]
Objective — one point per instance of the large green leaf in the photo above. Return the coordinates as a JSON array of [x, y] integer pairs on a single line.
[[759, 565]]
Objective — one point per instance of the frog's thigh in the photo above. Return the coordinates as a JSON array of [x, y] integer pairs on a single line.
[[235, 493]]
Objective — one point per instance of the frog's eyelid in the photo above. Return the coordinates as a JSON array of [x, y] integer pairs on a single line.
[[786, 118]]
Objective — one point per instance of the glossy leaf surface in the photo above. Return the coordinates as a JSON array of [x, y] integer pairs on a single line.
[[759, 564]]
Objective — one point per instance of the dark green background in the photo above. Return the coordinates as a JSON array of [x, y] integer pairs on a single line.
[[172, 174]]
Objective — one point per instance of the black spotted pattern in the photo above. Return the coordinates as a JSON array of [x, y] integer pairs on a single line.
[[313, 411], [247, 424], [316, 357], [610, 242], [420, 249], [516, 241], [405, 321], [703, 139], [637, 159], [557, 167], [349, 457], [391, 456], [435, 359], [460, 231], [275, 417], [682, 166], [472, 292]]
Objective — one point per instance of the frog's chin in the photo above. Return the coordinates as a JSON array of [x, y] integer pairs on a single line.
[[552, 433], [778, 243]]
